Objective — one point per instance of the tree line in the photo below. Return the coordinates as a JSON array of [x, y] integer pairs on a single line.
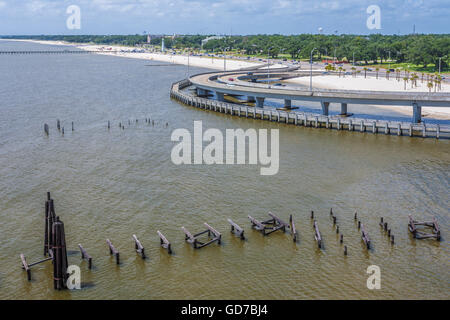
[[418, 49]]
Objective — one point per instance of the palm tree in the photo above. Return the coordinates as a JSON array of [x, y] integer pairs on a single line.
[[365, 72], [377, 69], [340, 70], [387, 74], [422, 76], [406, 81], [397, 71], [430, 86], [353, 72]]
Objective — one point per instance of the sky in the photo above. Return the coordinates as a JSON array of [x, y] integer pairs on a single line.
[[35, 17]]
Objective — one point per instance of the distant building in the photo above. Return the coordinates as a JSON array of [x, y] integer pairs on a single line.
[[162, 45], [149, 38]]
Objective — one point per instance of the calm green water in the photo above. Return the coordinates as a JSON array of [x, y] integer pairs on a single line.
[[113, 184]]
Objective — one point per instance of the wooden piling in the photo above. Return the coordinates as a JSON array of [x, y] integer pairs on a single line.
[[236, 229], [312, 214], [25, 266], [164, 242], [59, 256], [342, 238], [113, 251], [293, 229], [85, 256], [58, 124], [317, 235], [356, 216], [365, 236], [139, 247], [46, 130], [72, 126], [345, 250]]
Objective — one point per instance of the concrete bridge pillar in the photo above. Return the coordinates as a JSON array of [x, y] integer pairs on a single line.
[[417, 113], [287, 103], [325, 106], [251, 99], [260, 102], [201, 92], [220, 96], [343, 109]]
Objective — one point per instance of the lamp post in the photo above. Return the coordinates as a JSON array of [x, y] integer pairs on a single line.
[[440, 63], [189, 53], [310, 74], [268, 64], [389, 60], [225, 59]]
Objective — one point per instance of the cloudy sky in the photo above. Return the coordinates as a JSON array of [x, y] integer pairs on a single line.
[[223, 16]]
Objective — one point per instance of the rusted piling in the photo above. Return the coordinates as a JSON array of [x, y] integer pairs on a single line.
[[356, 216], [46, 130], [345, 250], [139, 247], [312, 214], [113, 251]]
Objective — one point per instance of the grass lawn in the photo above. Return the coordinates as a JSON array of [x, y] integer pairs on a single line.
[[407, 66]]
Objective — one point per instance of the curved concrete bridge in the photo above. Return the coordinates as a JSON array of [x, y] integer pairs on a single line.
[[217, 82]]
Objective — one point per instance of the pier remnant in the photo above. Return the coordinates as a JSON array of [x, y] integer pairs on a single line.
[[269, 226], [164, 242], [193, 239], [237, 230], [46, 130], [293, 229], [85, 256], [139, 247], [317, 235], [113, 251], [435, 232], [365, 236]]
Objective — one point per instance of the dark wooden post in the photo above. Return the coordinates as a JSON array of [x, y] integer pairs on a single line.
[[59, 255]]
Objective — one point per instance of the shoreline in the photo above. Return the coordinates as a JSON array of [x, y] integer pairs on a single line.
[[322, 82]]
